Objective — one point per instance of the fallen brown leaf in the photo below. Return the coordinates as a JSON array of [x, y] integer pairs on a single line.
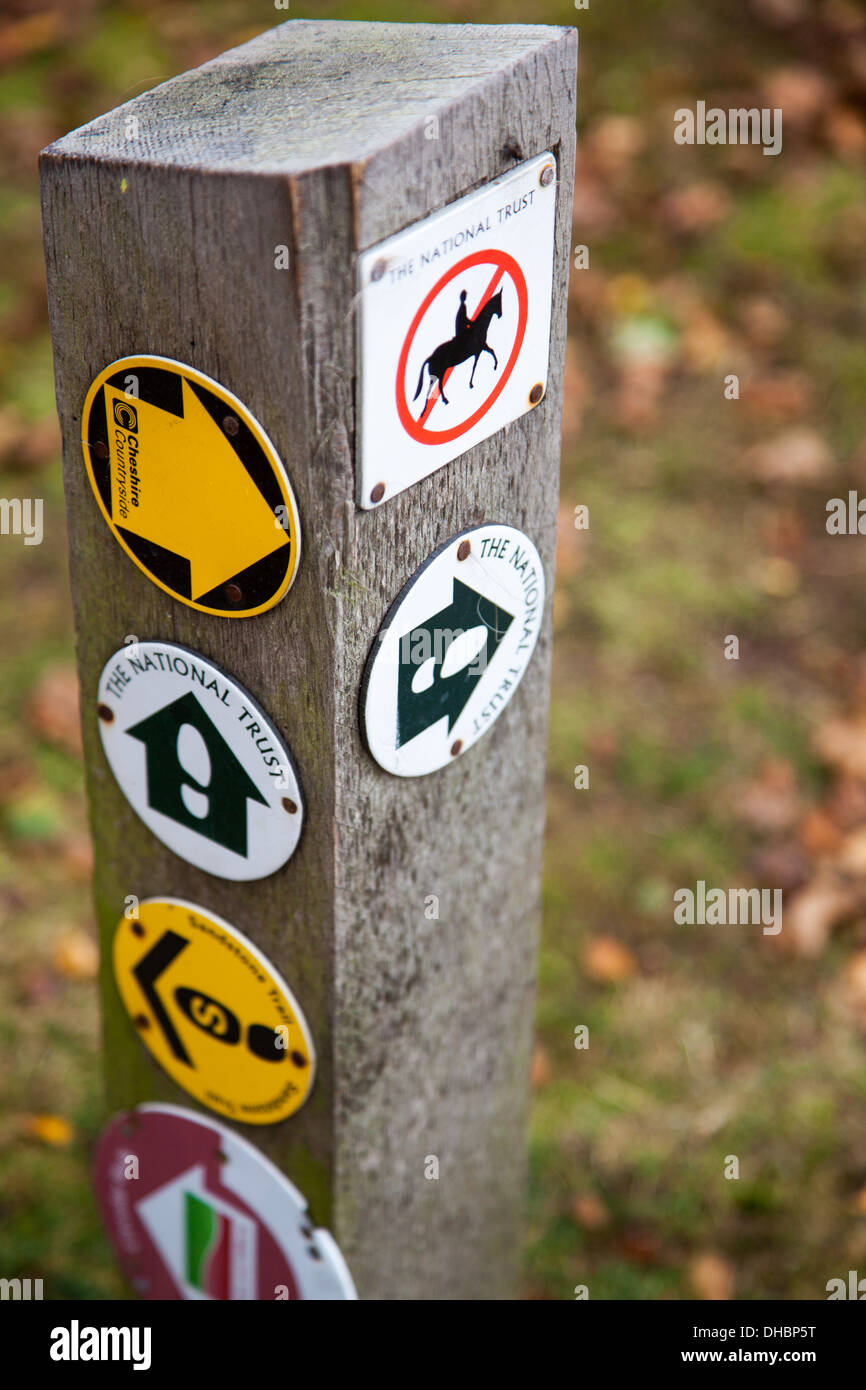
[[52, 708], [608, 961], [842, 744], [540, 1069], [20, 37], [819, 834], [853, 987], [638, 395], [696, 208], [780, 13], [845, 132], [77, 853], [774, 575], [712, 1277], [783, 396], [75, 955], [589, 1211], [846, 802], [851, 854], [640, 1247], [815, 911], [799, 455], [612, 142], [770, 802], [803, 94], [595, 211], [48, 1129], [764, 322], [784, 865], [39, 987], [14, 776]]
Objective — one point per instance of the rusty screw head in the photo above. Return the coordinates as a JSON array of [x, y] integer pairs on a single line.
[[100, 449], [455, 747], [536, 393], [378, 270], [231, 424], [136, 928], [299, 1059], [141, 1021], [233, 593], [463, 550], [378, 493], [106, 713], [547, 175], [290, 806]]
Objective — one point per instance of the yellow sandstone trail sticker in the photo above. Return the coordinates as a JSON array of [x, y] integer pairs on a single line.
[[191, 486], [213, 1012]]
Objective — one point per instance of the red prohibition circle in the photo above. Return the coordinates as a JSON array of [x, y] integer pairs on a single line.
[[505, 264]]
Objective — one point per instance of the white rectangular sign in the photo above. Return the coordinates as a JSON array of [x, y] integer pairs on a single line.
[[454, 333]]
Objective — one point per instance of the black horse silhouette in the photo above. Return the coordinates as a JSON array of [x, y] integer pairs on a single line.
[[471, 341]]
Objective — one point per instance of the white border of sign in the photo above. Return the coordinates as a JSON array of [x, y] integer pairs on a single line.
[[257, 1181], [512, 578], [273, 831], [267, 966], [394, 279]]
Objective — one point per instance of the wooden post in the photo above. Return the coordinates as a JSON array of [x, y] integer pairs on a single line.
[[162, 220]]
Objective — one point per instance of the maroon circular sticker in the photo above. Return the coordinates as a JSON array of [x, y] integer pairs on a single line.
[[195, 1212]]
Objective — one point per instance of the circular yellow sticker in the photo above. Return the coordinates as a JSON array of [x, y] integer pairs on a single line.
[[214, 1013], [191, 486]]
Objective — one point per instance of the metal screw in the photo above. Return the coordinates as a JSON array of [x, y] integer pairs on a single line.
[[231, 425], [299, 1059], [100, 449], [536, 393], [548, 174], [137, 929], [290, 806], [463, 550], [455, 747], [233, 593], [105, 713], [141, 1021], [378, 493], [378, 270]]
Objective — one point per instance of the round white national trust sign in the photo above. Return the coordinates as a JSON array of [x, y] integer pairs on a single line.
[[199, 761], [452, 650]]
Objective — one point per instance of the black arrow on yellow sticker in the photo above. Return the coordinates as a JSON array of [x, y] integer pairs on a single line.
[[147, 972], [191, 486]]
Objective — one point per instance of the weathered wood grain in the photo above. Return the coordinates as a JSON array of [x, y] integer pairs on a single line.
[[312, 136]]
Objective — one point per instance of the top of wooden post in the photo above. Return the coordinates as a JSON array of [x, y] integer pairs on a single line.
[[310, 93]]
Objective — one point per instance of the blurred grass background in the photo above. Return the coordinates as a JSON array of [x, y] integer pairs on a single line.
[[706, 518]]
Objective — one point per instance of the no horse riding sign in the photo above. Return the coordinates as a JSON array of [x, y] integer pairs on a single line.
[[455, 328]]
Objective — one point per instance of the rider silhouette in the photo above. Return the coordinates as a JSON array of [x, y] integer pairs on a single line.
[[462, 319]]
